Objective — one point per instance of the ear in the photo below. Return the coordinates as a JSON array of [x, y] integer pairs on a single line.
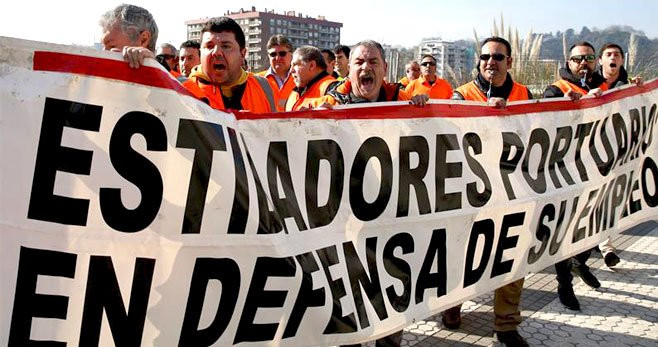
[[509, 62], [385, 67], [243, 52], [144, 39]]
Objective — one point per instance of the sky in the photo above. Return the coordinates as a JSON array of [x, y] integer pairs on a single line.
[[394, 22]]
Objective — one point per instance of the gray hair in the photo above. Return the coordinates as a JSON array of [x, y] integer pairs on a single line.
[[170, 46], [370, 44], [310, 53], [133, 20]]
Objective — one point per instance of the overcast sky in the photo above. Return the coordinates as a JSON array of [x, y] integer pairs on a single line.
[[396, 22]]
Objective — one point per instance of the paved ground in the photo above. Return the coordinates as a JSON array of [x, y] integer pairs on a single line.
[[623, 312]]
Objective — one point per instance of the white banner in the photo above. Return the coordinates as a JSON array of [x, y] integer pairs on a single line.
[[131, 213]]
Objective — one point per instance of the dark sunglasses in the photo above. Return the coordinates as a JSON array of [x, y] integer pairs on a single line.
[[280, 53], [579, 58], [167, 56], [428, 63], [495, 56]]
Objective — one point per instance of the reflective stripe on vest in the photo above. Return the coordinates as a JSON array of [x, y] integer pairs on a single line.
[[470, 91], [267, 89]]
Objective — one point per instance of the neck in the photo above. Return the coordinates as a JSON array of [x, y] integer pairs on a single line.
[[499, 80], [282, 75], [430, 78], [610, 77]]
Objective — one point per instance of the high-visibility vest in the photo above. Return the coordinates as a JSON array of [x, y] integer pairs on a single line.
[[565, 86], [470, 91], [314, 91], [441, 89], [257, 97], [280, 94], [392, 92]]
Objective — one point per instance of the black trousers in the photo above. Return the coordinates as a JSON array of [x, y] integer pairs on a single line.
[[563, 268]]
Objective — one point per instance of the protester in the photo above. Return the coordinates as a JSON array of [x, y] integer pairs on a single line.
[[128, 26], [494, 85], [279, 49], [168, 52], [342, 65], [577, 79], [428, 82], [330, 59], [309, 72], [189, 57], [220, 80], [412, 71]]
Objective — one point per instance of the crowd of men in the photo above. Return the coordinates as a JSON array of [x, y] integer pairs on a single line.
[[307, 78]]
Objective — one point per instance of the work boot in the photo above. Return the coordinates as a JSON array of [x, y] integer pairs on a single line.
[[452, 317], [587, 277], [510, 338], [568, 298], [611, 259]]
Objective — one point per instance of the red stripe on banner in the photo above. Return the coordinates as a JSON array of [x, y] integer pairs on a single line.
[[149, 76], [107, 68], [457, 110]]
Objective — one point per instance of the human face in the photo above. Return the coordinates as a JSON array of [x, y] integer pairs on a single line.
[[114, 39], [189, 58], [221, 57], [169, 56], [367, 71], [611, 60], [342, 65], [493, 70], [428, 67], [583, 68], [331, 64], [302, 71], [280, 64], [413, 71]]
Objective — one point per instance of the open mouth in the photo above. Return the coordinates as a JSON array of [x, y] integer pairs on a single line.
[[366, 81], [613, 65], [219, 66]]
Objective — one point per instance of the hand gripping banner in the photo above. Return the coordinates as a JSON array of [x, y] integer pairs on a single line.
[[133, 214]]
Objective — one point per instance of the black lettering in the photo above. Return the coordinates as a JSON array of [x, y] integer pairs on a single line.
[[338, 323], [240, 210], [444, 170], [582, 131], [617, 198], [257, 296], [650, 166], [359, 278], [619, 127], [413, 177], [507, 164], [476, 198], [307, 297], [377, 148], [603, 166], [278, 165], [636, 128], [556, 241], [557, 156], [435, 250], [539, 137], [647, 135], [103, 294], [579, 233], [330, 152], [542, 234], [52, 157], [400, 269], [504, 242], [27, 303], [227, 272], [484, 228]]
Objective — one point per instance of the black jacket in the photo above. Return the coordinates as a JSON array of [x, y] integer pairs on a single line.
[[621, 79], [555, 92]]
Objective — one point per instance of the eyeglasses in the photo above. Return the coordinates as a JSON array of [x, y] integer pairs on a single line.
[[168, 56], [495, 56], [579, 58], [280, 53], [428, 63]]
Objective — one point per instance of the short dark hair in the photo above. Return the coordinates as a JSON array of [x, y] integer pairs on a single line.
[[310, 53], [279, 40], [582, 43], [330, 54], [610, 45], [428, 56], [190, 44], [225, 24], [342, 49], [499, 40]]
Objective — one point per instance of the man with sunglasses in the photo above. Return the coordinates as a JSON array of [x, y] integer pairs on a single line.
[[429, 83], [168, 53], [279, 50], [578, 78], [494, 85]]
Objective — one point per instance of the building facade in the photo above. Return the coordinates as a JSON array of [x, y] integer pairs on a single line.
[[259, 26], [448, 55]]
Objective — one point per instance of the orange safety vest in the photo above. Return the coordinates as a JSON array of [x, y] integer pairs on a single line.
[[565, 86], [404, 81], [441, 89], [257, 97], [281, 95], [175, 73], [470, 91], [315, 91], [345, 88]]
